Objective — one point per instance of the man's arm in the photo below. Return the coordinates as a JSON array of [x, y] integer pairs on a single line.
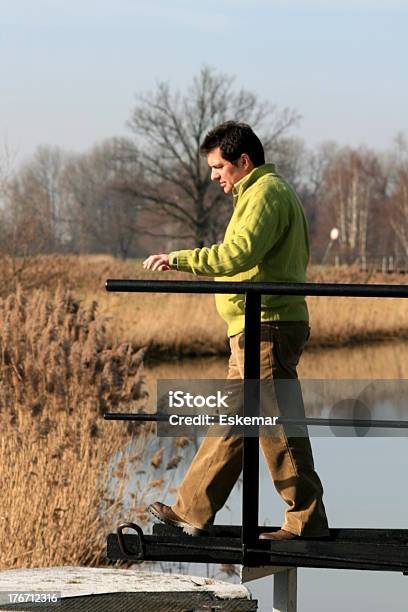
[[255, 236], [261, 228]]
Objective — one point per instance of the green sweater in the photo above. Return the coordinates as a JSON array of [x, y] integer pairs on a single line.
[[266, 241]]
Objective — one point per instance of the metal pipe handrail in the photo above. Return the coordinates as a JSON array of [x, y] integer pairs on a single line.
[[253, 292], [306, 289], [310, 421]]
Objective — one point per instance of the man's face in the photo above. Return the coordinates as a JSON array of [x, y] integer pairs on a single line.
[[225, 172]]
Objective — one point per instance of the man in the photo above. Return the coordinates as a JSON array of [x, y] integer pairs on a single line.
[[266, 240]]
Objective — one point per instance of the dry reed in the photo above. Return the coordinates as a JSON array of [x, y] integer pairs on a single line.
[[61, 489]]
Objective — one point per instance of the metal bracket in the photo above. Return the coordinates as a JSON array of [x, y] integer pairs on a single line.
[[140, 553]]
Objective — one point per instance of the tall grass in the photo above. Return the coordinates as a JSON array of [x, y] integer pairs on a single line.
[[58, 373]]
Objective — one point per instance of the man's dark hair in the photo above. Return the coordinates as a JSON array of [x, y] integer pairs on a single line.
[[234, 139]]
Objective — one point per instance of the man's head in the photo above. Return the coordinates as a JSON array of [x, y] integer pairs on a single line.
[[233, 150]]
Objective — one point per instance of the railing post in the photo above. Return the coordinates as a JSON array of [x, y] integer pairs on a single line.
[[250, 476], [285, 590]]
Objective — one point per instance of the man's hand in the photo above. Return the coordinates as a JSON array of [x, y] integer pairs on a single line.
[[157, 263]]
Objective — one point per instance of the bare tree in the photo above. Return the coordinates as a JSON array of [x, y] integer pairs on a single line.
[[353, 183], [7, 163], [5, 179], [29, 199], [169, 128], [32, 204], [311, 187], [100, 218], [399, 198]]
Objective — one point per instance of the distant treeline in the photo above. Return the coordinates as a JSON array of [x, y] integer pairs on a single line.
[[152, 190]]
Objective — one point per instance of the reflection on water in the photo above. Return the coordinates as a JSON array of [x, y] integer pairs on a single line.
[[373, 361], [374, 377], [360, 476]]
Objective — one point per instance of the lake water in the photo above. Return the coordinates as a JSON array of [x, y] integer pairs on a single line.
[[364, 480]]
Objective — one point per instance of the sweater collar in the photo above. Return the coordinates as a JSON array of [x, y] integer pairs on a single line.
[[249, 179]]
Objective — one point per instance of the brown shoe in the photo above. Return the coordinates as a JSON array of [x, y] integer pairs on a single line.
[[166, 515], [281, 534]]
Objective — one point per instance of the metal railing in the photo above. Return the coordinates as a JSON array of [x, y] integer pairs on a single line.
[[251, 402]]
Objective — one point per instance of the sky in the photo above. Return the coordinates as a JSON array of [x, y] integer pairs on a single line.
[[69, 72]]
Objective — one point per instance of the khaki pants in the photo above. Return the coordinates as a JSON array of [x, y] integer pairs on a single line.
[[218, 462]]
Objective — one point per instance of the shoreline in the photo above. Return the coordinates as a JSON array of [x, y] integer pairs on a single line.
[[167, 354]]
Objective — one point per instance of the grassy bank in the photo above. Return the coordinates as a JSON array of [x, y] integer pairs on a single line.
[[174, 325]]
